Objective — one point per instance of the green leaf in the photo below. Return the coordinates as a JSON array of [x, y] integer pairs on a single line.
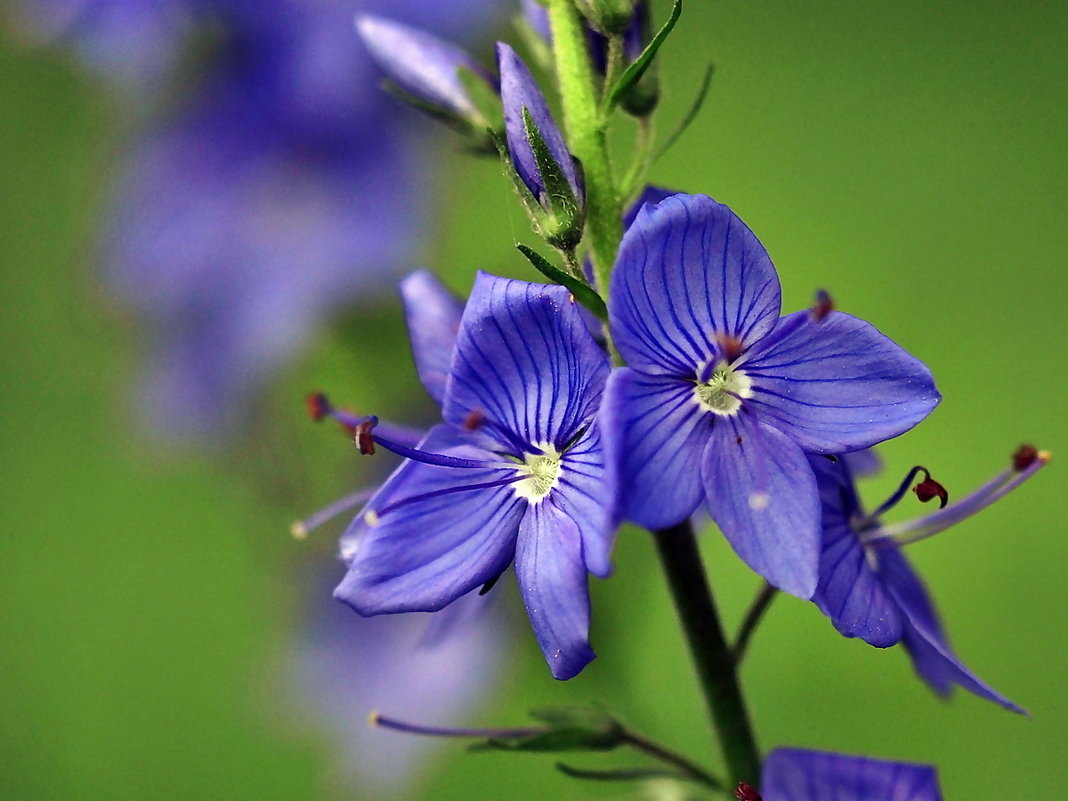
[[619, 774], [691, 115], [568, 728], [583, 293], [637, 69], [485, 100]]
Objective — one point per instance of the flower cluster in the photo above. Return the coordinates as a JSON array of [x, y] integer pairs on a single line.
[[658, 379]]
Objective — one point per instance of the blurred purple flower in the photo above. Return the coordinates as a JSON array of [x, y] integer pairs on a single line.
[[434, 668], [283, 187], [867, 587]]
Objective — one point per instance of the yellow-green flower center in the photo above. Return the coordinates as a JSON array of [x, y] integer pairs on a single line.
[[723, 392], [541, 472]]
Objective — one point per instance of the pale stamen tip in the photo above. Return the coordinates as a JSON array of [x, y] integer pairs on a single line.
[[758, 501], [373, 718], [298, 530], [371, 517]]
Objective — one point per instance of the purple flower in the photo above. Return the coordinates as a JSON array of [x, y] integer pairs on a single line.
[[426, 67], [280, 192], [515, 472], [722, 397], [791, 774], [434, 668], [867, 586], [537, 148]]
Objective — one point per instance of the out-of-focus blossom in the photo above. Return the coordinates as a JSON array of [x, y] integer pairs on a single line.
[[436, 668], [867, 586], [281, 187]]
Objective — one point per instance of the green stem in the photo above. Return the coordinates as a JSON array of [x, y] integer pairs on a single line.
[[586, 137], [685, 572]]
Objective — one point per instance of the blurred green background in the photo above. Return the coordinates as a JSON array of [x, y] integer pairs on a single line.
[[910, 157]]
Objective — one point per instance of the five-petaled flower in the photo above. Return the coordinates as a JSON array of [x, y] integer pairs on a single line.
[[516, 472], [722, 397], [792, 774], [867, 586]]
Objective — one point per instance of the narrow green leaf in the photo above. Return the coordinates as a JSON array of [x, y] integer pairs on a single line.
[[568, 728], [619, 774], [691, 115], [583, 293], [637, 69]]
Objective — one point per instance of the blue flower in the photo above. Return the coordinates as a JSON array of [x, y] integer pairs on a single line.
[[867, 586], [525, 114], [437, 668], [722, 397], [791, 774], [426, 67], [515, 472]]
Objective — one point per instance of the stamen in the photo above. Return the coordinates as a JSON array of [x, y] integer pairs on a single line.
[[318, 406], [995, 489], [416, 454], [363, 439], [1025, 456], [899, 493], [743, 792], [730, 347], [823, 306], [474, 420], [302, 528], [375, 719], [928, 489]]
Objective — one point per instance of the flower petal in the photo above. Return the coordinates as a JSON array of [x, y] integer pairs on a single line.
[[837, 384], [762, 494], [850, 591], [526, 361], [585, 494], [552, 579], [688, 271], [654, 437], [791, 774], [421, 63], [519, 90], [433, 314], [925, 641], [421, 556]]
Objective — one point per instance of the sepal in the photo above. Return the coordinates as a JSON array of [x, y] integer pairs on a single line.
[[567, 728], [607, 16]]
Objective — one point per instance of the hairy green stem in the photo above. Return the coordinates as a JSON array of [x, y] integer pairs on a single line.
[[586, 136], [685, 572]]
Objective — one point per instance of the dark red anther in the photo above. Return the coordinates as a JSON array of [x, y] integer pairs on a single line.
[[730, 347], [1025, 456], [743, 792], [929, 488], [318, 406], [364, 439], [823, 306], [474, 420]]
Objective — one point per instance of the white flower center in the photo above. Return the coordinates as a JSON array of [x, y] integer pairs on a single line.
[[541, 472], [723, 392]]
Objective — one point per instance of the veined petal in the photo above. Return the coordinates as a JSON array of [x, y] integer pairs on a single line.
[[850, 591], [837, 384], [926, 643], [791, 774], [421, 63], [762, 494], [690, 277], [584, 493], [421, 556], [526, 361], [519, 90], [552, 579], [654, 437], [433, 314]]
